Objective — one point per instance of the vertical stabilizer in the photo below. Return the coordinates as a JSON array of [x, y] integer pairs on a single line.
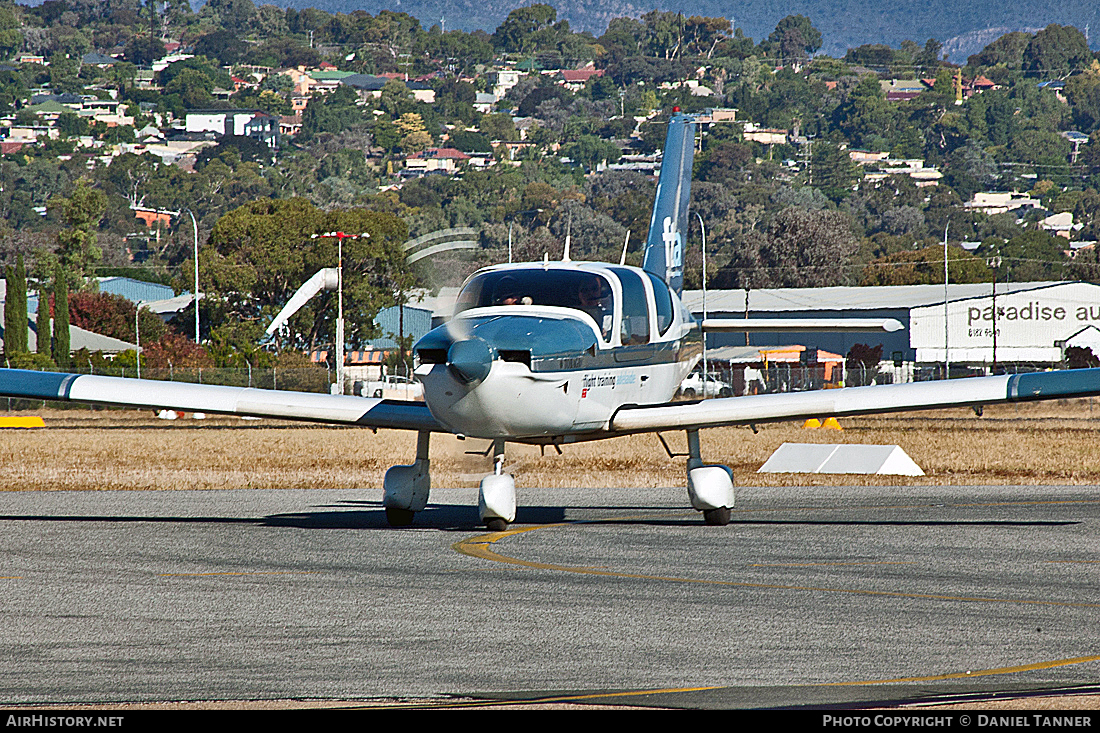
[[664, 249]]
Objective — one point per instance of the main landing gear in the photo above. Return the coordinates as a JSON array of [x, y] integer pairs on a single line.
[[710, 487], [405, 490]]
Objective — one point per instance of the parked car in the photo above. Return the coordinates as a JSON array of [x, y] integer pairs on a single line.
[[693, 386], [390, 387]]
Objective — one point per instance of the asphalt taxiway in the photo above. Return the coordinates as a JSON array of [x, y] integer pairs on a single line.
[[812, 596]]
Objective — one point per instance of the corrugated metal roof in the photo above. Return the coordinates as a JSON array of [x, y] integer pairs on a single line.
[[417, 323], [844, 298], [135, 290], [78, 338]]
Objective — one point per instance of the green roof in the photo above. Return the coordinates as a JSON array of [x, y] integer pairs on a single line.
[[330, 75], [49, 107]]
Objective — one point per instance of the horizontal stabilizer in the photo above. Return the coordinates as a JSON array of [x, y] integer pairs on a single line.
[[801, 325], [184, 397], [858, 400]]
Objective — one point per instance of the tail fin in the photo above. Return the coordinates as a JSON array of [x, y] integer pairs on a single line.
[[664, 249]]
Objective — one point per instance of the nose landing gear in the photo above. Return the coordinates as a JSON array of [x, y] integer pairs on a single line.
[[496, 500]]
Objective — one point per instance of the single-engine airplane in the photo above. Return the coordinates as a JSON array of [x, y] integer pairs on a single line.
[[549, 353]]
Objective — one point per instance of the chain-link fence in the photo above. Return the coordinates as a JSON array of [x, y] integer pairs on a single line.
[[743, 379], [295, 379]]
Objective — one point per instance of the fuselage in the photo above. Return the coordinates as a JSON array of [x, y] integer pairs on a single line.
[[540, 351]]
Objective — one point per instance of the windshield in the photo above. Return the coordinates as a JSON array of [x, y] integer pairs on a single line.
[[584, 291]]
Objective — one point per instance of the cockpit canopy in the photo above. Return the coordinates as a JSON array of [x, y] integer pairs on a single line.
[[639, 302], [582, 290]]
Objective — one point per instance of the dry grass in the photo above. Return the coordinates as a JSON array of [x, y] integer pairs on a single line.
[[80, 450]]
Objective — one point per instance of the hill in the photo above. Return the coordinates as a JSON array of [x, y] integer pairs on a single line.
[[843, 23]]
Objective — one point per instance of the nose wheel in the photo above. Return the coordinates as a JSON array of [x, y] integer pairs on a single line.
[[719, 517], [399, 517], [496, 500]]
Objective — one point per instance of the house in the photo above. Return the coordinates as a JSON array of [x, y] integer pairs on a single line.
[[991, 203], [1060, 224], [901, 90], [98, 59], [421, 92], [290, 125], [766, 136], [154, 218], [484, 102], [575, 79], [256, 124], [436, 159], [502, 80], [866, 157]]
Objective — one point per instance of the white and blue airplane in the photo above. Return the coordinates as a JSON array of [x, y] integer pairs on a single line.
[[550, 353]]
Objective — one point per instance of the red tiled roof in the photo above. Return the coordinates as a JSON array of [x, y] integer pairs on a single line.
[[580, 75], [440, 154], [7, 147]]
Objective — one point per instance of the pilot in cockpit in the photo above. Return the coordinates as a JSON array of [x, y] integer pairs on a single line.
[[594, 298], [507, 292]]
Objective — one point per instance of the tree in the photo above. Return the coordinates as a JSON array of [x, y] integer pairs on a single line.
[[925, 267], [833, 171], [866, 112], [1083, 93], [800, 249], [44, 346], [470, 142], [795, 37], [233, 15], [521, 31], [113, 315], [333, 112], [259, 254], [61, 347], [861, 364], [144, 50], [15, 310], [1055, 50], [77, 250], [590, 151], [1008, 50]]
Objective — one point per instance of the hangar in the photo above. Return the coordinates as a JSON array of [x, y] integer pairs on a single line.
[[1034, 322]]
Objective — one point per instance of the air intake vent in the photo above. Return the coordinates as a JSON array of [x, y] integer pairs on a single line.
[[432, 356], [522, 357]]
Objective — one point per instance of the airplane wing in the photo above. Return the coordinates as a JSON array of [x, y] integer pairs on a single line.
[[152, 394], [857, 401]]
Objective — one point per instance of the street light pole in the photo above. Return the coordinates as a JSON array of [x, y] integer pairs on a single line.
[[340, 237], [946, 315], [137, 334], [706, 368], [195, 230]]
